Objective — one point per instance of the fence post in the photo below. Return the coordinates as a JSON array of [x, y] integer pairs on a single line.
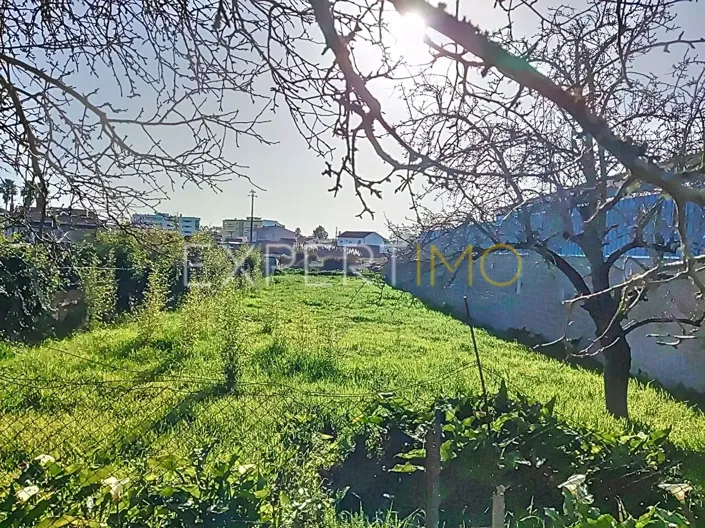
[[498, 507], [433, 472]]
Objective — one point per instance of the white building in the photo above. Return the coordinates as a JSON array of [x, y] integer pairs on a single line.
[[186, 225], [361, 238]]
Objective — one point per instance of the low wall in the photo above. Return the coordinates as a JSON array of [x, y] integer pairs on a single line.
[[535, 303]]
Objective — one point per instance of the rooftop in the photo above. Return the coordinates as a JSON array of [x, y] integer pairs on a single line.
[[356, 234]]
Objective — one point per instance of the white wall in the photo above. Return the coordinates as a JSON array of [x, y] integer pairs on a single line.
[[536, 304], [373, 239]]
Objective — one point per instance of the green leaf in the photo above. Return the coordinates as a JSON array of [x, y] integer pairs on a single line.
[[245, 468], [167, 491], [261, 494], [93, 476], [65, 520], [659, 436], [406, 468], [193, 490], [447, 451], [266, 512], [167, 462], [414, 453]]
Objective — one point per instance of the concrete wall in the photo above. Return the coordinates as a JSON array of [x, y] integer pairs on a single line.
[[535, 303]]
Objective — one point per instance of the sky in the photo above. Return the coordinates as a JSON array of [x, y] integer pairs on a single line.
[[292, 189], [296, 193]]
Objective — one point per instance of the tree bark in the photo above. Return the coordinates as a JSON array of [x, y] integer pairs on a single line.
[[604, 311], [618, 362]]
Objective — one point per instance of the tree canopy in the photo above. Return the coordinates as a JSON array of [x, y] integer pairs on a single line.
[[320, 233]]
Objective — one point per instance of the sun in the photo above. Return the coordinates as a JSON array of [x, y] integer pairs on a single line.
[[409, 31]]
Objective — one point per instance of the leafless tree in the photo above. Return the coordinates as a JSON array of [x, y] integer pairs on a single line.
[[554, 132], [105, 105], [572, 117]]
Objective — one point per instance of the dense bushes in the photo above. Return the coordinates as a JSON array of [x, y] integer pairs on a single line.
[[30, 275], [517, 444], [120, 271], [135, 255]]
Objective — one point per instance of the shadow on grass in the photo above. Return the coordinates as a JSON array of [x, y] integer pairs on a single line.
[[141, 439], [278, 360], [537, 343], [165, 350]]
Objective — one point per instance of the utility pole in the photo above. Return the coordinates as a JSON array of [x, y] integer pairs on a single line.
[[252, 213]]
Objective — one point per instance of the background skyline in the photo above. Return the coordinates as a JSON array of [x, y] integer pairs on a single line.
[[295, 192]]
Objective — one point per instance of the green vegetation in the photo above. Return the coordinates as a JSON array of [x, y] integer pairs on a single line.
[[269, 373], [344, 338], [54, 289], [517, 444], [502, 441]]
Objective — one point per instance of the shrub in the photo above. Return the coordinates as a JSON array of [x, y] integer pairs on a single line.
[[250, 266], [155, 300], [210, 265], [578, 512], [100, 289], [167, 491], [232, 336], [135, 254], [29, 278], [514, 443], [121, 270], [198, 313]]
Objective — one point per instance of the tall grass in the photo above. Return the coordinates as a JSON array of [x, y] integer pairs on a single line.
[[282, 350]]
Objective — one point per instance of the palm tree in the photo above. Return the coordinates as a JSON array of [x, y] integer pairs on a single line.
[[27, 195], [8, 189]]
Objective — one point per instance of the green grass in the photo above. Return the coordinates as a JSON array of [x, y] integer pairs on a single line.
[[316, 350]]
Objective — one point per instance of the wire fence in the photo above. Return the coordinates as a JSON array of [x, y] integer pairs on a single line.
[[116, 427], [129, 418], [137, 417]]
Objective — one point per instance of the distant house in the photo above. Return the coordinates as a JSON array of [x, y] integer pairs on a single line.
[[275, 234], [362, 238], [59, 223], [186, 225], [236, 228]]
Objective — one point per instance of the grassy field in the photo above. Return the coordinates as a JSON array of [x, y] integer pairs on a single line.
[[293, 348]]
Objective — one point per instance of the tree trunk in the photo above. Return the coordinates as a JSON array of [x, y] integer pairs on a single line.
[[618, 362], [604, 311]]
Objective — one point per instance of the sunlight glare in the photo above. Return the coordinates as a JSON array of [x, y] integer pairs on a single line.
[[409, 31]]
